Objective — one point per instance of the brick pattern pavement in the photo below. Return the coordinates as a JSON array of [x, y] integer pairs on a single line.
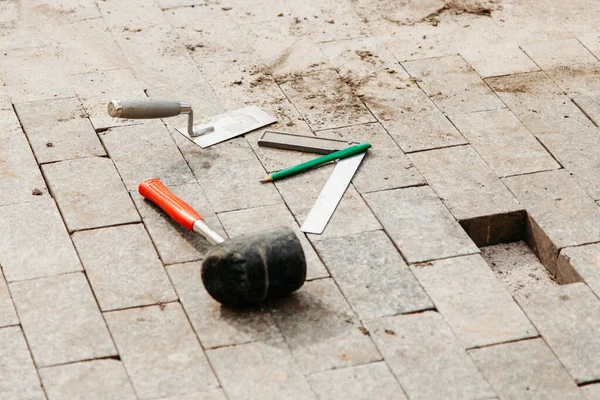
[[483, 116]]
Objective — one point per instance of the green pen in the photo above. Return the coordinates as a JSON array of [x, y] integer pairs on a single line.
[[350, 151]]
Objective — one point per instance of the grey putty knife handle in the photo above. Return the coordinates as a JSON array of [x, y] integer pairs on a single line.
[[147, 108]]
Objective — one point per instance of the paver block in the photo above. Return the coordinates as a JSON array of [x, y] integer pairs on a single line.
[[18, 378], [90, 193], [325, 100], [160, 352], [502, 56], [216, 325], [475, 305], [89, 380], [525, 370], [59, 130], [504, 143], [357, 383], [385, 165], [61, 320], [321, 329], [576, 264], [35, 241], [259, 219], [560, 213], [427, 359], [372, 275], [591, 392], [8, 316], [419, 224], [539, 104], [130, 274], [146, 151], [175, 243], [453, 85], [140, 15], [212, 395], [472, 192], [567, 317], [259, 371], [19, 173]]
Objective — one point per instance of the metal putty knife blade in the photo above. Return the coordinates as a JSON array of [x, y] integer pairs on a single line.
[[229, 125], [331, 194]]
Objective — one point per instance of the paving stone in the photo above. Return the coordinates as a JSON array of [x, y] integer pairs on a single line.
[[130, 275], [140, 15], [18, 378], [475, 305], [96, 379], [567, 317], [256, 220], [453, 85], [504, 143], [539, 104], [176, 244], [560, 213], [8, 316], [216, 325], [486, 209], [144, 151], [525, 370], [385, 166], [321, 330], [427, 359], [19, 173], [372, 275], [160, 352], [577, 153], [59, 130], [419, 224], [261, 370], [35, 242], [502, 57], [591, 392], [51, 12], [89, 193], [577, 264], [363, 382], [212, 395], [325, 100], [61, 320], [96, 89]]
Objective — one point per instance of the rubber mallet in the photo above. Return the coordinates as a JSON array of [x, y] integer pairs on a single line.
[[244, 270]]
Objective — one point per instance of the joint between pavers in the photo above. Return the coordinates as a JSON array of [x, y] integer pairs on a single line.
[[538, 336]]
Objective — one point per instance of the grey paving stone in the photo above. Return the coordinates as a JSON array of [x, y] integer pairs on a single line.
[[212, 395], [18, 378], [19, 173], [567, 317], [176, 244], [8, 316], [576, 264], [539, 104], [385, 166], [560, 213], [577, 153], [255, 220], [160, 352], [525, 370], [146, 151], [419, 224], [89, 193], [473, 193], [96, 379], [35, 241], [130, 274], [233, 168], [504, 143], [325, 100], [261, 370], [357, 383], [64, 124], [475, 304], [321, 330], [216, 325], [591, 392], [427, 359], [453, 85], [61, 320], [372, 275]]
